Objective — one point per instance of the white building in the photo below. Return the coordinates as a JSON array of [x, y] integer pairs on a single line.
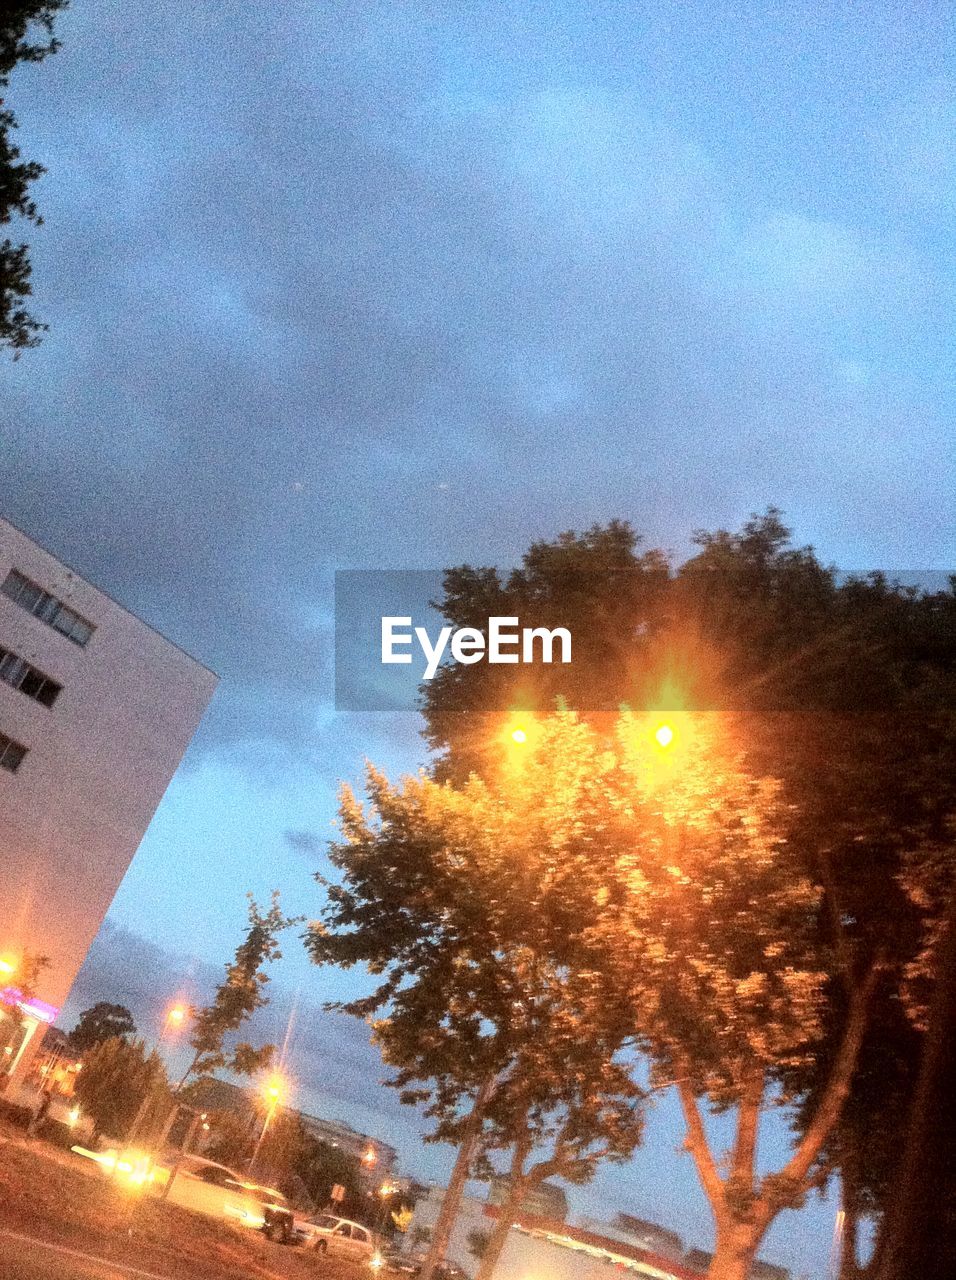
[[96, 711], [545, 1249]]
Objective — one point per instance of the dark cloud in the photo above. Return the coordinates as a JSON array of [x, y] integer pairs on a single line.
[[303, 841], [318, 301]]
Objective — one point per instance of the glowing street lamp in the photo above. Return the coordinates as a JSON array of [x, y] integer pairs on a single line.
[[274, 1091], [664, 736], [175, 1017], [370, 1157], [8, 964]]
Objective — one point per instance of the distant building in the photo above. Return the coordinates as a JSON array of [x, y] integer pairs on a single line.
[[642, 1233], [361, 1145], [96, 711], [538, 1246], [545, 1201]]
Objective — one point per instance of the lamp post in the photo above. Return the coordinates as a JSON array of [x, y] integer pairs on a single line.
[[273, 1092]]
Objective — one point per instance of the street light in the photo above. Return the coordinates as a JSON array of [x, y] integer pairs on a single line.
[[175, 1018], [274, 1090], [664, 736], [8, 964]]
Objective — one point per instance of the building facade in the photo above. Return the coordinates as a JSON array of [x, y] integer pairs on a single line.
[[96, 712], [551, 1249]]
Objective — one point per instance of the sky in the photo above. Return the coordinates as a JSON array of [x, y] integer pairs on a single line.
[[368, 285]]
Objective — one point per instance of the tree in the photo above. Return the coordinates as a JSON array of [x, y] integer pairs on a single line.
[[230, 1139], [117, 1076], [238, 997], [103, 1021], [324, 1167], [18, 329], [454, 897], [844, 691]]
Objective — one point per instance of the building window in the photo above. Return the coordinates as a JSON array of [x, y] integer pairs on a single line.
[[21, 675], [11, 754], [30, 596]]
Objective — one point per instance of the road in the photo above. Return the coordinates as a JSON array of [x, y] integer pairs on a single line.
[[25, 1258]]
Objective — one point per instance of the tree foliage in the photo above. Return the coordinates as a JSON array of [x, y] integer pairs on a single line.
[[453, 896], [103, 1021], [19, 44], [238, 997], [117, 1077], [844, 690]]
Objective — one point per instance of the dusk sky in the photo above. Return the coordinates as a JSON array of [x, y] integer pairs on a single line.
[[368, 285]]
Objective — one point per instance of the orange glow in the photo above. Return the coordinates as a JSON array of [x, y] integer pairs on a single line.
[[274, 1089], [518, 735], [176, 1015], [8, 964], [370, 1157], [664, 735]]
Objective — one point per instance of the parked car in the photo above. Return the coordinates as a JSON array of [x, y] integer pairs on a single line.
[[338, 1237]]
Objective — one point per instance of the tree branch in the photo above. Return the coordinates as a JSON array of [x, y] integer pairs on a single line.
[[699, 1148], [748, 1123], [794, 1173]]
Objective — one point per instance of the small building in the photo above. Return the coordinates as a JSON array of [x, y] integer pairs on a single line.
[[547, 1200], [96, 712]]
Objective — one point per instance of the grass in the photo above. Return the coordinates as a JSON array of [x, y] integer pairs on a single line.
[[62, 1199]]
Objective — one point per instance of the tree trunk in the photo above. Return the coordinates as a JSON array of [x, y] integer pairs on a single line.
[[735, 1253], [848, 1244], [918, 1234], [451, 1202], [509, 1210]]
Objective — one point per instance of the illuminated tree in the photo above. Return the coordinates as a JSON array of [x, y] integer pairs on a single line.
[[845, 690], [451, 896]]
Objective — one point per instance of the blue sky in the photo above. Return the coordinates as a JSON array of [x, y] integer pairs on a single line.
[[402, 285]]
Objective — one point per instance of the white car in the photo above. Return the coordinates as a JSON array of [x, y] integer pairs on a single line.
[[337, 1237], [208, 1187]]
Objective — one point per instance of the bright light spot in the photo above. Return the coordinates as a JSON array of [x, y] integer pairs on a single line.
[[274, 1089], [8, 964], [176, 1016], [73, 1117], [664, 735], [519, 735], [376, 1261]]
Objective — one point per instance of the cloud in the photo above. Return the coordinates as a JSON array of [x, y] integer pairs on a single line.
[[316, 303], [304, 841]]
